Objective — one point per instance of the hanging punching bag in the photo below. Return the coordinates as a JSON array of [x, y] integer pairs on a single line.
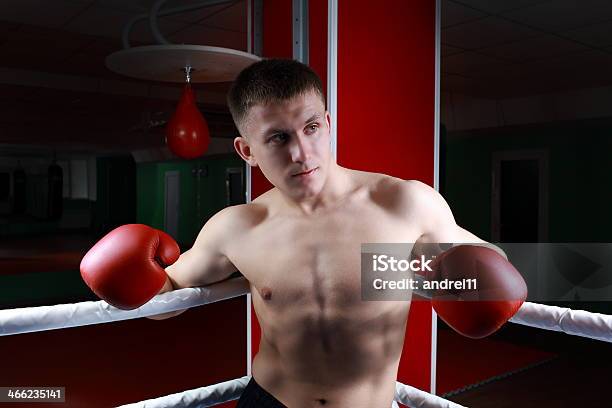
[[19, 191], [56, 182], [187, 132]]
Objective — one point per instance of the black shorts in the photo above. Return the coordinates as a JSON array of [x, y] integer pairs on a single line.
[[254, 396]]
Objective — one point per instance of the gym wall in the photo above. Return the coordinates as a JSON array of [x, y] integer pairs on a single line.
[[211, 189], [579, 168]]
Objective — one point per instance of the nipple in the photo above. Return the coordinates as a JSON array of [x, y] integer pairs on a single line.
[[266, 293], [322, 401]]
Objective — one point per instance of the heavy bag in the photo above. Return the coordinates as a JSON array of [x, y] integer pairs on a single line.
[[19, 191]]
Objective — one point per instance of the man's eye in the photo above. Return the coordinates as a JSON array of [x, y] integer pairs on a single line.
[[278, 138], [312, 128]]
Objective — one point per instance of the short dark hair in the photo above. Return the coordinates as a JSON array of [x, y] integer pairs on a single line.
[[270, 80]]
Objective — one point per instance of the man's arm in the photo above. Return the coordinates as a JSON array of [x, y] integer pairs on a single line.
[[437, 221], [205, 263], [499, 290]]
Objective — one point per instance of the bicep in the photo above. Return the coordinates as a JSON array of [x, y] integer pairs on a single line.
[[440, 225], [437, 221], [198, 267], [205, 262], [450, 233]]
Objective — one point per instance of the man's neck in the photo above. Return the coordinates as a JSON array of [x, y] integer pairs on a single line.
[[338, 186]]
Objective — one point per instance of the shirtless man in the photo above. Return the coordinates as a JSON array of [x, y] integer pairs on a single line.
[[298, 245]]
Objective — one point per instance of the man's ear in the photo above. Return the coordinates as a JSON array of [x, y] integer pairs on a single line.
[[244, 150], [328, 119]]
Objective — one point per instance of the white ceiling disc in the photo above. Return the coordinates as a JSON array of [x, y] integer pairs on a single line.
[[167, 62]]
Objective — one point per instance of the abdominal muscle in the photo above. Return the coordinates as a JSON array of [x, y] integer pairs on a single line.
[[338, 358]]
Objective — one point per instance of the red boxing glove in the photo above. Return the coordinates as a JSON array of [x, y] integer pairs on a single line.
[[123, 268], [478, 311]]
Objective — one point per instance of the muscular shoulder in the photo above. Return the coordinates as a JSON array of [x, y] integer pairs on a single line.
[[400, 196], [423, 207], [241, 216], [415, 192], [413, 201], [225, 225]]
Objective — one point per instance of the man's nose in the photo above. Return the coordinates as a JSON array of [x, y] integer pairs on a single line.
[[300, 148]]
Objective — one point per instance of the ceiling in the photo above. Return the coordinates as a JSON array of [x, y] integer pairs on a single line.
[[508, 48], [55, 90]]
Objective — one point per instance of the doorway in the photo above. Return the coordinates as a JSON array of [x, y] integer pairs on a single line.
[[519, 196]]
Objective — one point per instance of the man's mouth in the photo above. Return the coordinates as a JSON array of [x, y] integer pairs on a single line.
[[305, 173]]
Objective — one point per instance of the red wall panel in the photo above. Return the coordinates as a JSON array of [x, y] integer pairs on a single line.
[[386, 91]]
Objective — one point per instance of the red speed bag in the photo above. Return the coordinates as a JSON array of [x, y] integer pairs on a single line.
[[187, 132]]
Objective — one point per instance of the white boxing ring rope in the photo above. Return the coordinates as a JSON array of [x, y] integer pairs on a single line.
[[25, 320], [595, 326], [230, 390], [200, 397], [32, 319]]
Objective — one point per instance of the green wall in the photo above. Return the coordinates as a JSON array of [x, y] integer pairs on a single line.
[[580, 181], [42, 288], [126, 193], [580, 173], [211, 188]]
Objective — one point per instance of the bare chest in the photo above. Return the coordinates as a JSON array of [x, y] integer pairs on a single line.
[[314, 261]]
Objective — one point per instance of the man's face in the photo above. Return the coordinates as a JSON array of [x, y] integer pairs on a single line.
[[290, 142]]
